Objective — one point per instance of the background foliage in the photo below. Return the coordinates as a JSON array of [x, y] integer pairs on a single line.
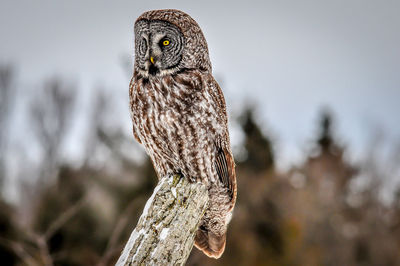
[[326, 210]]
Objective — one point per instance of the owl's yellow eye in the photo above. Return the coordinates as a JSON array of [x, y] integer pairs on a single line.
[[165, 43]]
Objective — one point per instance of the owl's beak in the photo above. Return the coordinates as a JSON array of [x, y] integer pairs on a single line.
[[152, 60]]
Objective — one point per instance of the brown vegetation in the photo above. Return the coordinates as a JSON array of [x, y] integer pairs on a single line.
[[82, 213]]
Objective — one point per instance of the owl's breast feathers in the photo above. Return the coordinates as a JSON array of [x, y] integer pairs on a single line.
[[181, 120]]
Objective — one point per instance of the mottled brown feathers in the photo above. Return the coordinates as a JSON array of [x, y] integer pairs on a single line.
[[226, 171], [211, 244], [179, 115]]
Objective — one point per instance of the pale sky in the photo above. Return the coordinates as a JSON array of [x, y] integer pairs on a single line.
[[289, 57]]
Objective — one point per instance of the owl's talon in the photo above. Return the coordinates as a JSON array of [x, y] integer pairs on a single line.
[[176, 179]]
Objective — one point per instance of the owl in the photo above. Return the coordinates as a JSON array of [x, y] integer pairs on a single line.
[[179, 115]]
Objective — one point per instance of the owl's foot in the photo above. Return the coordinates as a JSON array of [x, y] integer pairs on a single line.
[[176, 178]]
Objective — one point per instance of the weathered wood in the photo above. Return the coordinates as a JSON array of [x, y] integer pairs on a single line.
[[165, 232]]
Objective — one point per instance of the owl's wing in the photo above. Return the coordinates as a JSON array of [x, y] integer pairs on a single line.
[[212, 242], [213, 245], [225, 166], [224, 161]]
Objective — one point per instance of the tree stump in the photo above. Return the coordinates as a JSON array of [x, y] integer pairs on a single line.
[[165, 232]]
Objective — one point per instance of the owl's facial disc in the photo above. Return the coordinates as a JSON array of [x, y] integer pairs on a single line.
[[159, 47]]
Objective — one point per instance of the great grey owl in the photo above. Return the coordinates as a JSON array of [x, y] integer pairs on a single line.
[[179, 115]]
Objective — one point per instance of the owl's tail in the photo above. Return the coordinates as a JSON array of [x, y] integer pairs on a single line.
[[212, 245]]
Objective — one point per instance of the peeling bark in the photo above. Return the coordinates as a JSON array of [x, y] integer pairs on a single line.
[[165, 232]]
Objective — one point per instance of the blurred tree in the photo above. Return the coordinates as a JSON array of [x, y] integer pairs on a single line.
[[259, 148], [326, 164], [52, 114], [8, 234], [325, 139], [83, 215], [7, 94], [72, 230]]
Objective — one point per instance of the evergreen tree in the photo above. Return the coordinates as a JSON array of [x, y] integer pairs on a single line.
[[259, 148]]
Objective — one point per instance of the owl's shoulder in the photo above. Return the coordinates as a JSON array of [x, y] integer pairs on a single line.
[[215, 91], [191, 79]]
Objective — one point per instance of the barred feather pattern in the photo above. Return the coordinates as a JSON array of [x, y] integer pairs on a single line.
[[179, 115], [179, 123]]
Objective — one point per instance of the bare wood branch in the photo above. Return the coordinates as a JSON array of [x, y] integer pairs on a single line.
[[65, 217], [165, 232], [44, 250], [19, 251], [121, 224]]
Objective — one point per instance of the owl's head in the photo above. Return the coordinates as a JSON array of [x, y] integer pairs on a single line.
[[169, 41]]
